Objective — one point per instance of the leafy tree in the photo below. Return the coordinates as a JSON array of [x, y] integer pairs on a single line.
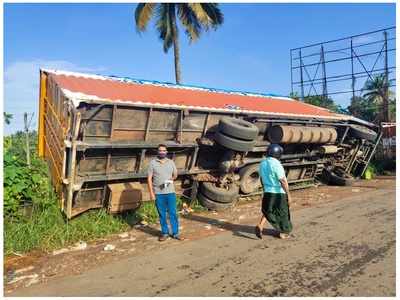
[[294, 95], [361, 107], [322, 101], [375, 93], [195, 17], [7, 118]]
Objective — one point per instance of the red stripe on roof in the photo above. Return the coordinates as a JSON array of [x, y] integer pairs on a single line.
[[149, 93]]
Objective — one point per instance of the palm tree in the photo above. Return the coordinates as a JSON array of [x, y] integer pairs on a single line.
[[375, 93], [195, 17], [7, 117]]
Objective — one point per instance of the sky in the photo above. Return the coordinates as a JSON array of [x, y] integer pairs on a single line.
[[249, 52]]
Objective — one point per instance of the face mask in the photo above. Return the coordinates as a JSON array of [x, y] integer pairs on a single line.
[[162, 155]]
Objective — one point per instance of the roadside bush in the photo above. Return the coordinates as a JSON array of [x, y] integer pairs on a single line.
[[24, 185], [383, 166], [46, 228]]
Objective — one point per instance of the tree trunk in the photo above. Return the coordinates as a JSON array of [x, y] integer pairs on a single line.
[[176, 49]]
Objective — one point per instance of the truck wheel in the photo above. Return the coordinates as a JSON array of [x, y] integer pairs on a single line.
[[362, 132], [238, 128], [250, 179], [210, 204], [337, 177], [219, 194], [232, 143]]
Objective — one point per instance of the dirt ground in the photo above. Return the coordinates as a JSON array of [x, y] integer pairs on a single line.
[[35, 269]]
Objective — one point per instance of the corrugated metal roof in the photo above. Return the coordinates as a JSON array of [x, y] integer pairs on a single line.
[[85, 87]]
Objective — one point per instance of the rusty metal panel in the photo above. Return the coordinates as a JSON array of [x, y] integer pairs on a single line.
[[164, 120], [95, 161], [131, 118], [90, 194], [161, 136], [294, 174], [98, 128], [123, 164], [125, 135], [124, 196], [181, 160], [92, 166], [194, 122], [104, 113], [189, 137]]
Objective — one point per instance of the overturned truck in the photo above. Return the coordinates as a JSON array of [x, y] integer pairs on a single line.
[[99, 134]]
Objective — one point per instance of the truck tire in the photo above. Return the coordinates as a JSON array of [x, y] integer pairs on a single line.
[[362, 132], [217, 194], [212, 205], [335, 179], [250, 179], [238, 128], [232, 143]]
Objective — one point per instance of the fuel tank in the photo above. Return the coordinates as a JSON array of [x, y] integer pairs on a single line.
[[287, 134]]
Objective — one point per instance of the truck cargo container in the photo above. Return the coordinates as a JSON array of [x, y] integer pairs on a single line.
[[99, 133]]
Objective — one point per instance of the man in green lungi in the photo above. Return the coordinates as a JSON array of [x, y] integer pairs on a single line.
[[276, 199]]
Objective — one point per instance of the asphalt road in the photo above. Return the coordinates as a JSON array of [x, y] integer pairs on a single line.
[[341, 248]]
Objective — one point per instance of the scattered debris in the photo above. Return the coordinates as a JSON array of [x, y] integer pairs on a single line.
[[24, 270], [355, 190], [109, 247], [79, 246], [60, 251], [186, 209], [32, 281], [16, 279], [124, 235], [208, 227], [10, 275], [131, 239], [144, 223]]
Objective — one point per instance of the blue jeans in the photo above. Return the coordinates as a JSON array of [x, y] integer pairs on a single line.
[[167, 203]]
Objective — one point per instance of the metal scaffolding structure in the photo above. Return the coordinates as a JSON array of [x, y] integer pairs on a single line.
[[339, 68]]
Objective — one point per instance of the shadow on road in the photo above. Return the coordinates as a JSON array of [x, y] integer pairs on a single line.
[[245, 231]]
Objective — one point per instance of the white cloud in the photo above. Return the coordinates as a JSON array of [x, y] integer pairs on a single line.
[[21, 88]]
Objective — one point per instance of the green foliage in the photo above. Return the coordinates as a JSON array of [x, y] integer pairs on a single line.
[[320, 101], [361, 108], [194, 17], [46, 228], [383, 166], [16, 144], [24, 185], [373, 100], [7, 118], [325, 102]]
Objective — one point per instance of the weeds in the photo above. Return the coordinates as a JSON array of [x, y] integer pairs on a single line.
[[46, 228]]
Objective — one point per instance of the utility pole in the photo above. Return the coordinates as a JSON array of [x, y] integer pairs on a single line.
[[386, 91], [301, 76], [324, 83], [28, 158], [353, 79]]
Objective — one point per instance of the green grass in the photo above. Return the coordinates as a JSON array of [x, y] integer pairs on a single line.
[[47, 229]]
